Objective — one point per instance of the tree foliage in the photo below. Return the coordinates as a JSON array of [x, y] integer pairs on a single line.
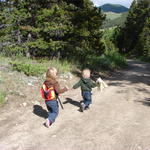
[[51, 28], [134, 37], [143, 46]]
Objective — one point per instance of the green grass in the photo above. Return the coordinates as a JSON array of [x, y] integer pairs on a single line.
[[111, 60], [112, 16], [117, 60], [2, 97], [38, 67], [4, 60], [145, 59], [113, 20]]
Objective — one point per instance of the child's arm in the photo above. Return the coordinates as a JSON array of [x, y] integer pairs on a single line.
[[78, 84], [58, 89], [92, 84]]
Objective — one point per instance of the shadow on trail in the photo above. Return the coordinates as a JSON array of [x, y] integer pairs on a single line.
[[115, 84], [145, 102], [143, 90], [136, 72], [73, 102], [39, 111]]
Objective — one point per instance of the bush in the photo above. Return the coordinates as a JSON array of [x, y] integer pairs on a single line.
[[2, 97], [109, 61], [38, 67], [116, 59], [146, 59], [28, 69]]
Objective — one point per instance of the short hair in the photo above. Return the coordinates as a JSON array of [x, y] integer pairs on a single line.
[[50, 72]]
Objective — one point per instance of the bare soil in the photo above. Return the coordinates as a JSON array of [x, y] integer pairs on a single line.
[[118, 119]]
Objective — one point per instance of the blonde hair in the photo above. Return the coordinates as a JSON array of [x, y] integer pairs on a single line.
[[86, 73], [51, 73]]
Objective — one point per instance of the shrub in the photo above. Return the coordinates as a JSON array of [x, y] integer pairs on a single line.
[[38, 67], [28, 69], [2, 97], [116, 59], [146, 59], [109, 61]]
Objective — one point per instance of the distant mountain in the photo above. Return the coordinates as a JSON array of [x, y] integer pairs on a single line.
[[114, 8]]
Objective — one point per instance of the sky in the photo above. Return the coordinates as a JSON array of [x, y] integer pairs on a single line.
[[126, 3]]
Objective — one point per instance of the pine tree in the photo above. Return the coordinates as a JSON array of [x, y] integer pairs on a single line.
[[12, 16], [143, 45], [51, 28], [87, 35], [130, 33]]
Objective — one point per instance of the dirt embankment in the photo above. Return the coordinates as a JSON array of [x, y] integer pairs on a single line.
[[119, 118]]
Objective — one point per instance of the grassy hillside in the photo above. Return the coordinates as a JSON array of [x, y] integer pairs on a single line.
[[112, 15], [114, 8], [114, 19]]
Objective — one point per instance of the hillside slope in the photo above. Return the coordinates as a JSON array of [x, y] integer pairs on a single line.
[[114, 19], [114, 8]]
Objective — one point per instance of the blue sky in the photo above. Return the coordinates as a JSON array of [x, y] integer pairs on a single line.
[[126, 3]]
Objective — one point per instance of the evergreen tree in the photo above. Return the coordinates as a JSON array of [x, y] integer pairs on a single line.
[[86, 35], [52, 28], [143, 45], [129, 34], [11, 17]]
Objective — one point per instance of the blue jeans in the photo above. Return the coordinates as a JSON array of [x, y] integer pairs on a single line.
[[53, 109], [87, 97]]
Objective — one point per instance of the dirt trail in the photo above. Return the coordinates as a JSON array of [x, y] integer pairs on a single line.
[[119, 118]]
